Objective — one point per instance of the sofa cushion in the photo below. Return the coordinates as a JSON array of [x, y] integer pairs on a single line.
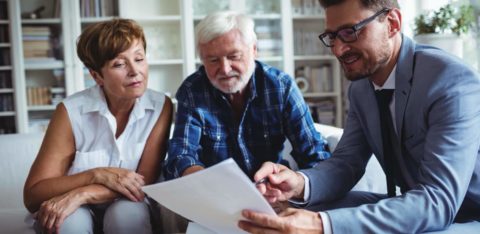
[[17, 154]]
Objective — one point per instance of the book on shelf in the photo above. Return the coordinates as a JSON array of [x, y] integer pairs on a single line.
[[36, 30], [43, 61], [323, 111], [57, 9], [320, 78], [7, 124], [37, 42], [5, 80], [38, 96], [4, 38], [97, 8], [6, 102], [5, 57], [3, 10]]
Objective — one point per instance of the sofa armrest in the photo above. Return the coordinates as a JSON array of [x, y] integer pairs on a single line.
[[374, 178]]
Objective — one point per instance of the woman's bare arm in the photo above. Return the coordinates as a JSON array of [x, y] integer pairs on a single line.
[[156, 147]]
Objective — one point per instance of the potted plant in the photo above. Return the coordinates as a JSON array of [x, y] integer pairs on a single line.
[[443, 28]]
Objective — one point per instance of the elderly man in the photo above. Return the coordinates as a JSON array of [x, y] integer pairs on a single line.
[[236, 107], [416, 108]]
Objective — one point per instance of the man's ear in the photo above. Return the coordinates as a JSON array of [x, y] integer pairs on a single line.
[[255, 49], [394, 19], [97, 77]]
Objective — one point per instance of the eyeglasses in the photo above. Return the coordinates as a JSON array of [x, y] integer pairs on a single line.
[[349, 34]]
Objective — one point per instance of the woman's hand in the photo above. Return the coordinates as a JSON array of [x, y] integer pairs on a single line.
[[123, 181], [53, 212]]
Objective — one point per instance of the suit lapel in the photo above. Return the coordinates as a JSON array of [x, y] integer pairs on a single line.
[[372, 118], [403, 80]]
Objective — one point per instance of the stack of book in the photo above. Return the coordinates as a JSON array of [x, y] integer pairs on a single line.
[[36, 44], [38, 96], [268, 39]]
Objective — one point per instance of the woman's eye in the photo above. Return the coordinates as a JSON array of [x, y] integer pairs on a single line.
[[118, 65]]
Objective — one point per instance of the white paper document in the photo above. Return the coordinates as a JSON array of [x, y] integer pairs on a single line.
[[195, 228], [213, 197]]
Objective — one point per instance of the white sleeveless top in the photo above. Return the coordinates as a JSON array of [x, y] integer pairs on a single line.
[[94, 129]]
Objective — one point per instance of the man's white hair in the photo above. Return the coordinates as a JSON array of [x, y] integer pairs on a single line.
[[221, 22]]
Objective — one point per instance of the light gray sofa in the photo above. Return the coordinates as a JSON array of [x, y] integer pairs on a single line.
[[17, 152]]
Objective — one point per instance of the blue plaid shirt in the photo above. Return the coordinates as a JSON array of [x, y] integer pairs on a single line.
[[206, 131]]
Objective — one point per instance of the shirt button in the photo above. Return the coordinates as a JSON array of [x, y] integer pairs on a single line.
[[265, 135], [218, 137]]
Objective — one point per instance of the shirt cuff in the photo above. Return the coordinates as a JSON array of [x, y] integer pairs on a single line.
[[306, 192], [327, 225], [182, 163]]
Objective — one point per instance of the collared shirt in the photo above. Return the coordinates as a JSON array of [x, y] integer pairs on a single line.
[[206, 133], [94, 129]]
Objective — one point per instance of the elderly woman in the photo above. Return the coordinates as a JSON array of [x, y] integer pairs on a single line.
[[104, 143]]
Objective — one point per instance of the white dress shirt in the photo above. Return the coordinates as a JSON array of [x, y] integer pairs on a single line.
[[94, 128]]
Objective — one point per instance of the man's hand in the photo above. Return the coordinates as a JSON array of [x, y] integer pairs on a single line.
[[126, 182], [282, 185], [289, 221], [52, 213]]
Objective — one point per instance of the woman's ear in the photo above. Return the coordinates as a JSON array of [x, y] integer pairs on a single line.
[[97, 77], [394, 19]]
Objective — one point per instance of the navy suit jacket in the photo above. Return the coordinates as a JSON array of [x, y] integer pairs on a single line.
[[437, 110]]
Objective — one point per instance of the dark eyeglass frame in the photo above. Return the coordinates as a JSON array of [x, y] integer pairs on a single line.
[[328, 37]]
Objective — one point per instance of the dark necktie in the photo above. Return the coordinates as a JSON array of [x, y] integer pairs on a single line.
[[384, 97]]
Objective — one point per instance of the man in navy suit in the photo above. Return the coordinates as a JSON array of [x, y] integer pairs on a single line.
[[427, 140]]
